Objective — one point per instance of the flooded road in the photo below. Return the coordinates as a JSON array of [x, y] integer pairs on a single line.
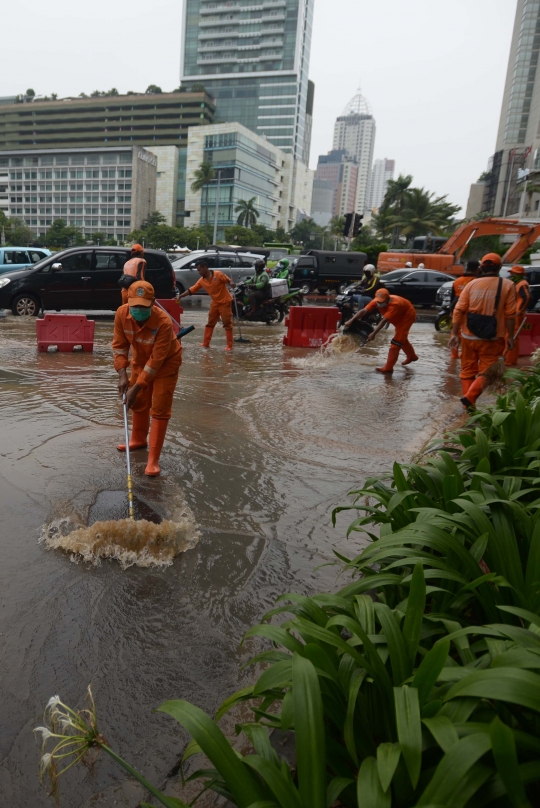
[[262, 445]]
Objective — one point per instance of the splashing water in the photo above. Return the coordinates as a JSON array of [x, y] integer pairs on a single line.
[[339, 346], [130, 542]]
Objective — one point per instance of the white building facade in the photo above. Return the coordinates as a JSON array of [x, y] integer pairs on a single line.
[[381, 174], [354, 131]]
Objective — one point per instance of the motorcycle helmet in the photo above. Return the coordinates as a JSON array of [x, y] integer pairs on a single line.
[[283, 264], [259, 265], [369, 268]]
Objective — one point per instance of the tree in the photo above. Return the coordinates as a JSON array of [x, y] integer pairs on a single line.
[[18, 234], [423, 214], [367, 242], [242, 236], [307, 234], [248, 212], [60, 235], [153, 89], [203, 177], [154, 219], [113, 91], [198, 88], [30, 93], [98, 237]]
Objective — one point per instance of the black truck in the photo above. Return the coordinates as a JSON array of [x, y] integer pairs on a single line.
[[318, 269]]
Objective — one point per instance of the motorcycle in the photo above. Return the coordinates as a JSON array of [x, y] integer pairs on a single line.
[[443, 321], [295, 296], [270, 311], [346, 306]]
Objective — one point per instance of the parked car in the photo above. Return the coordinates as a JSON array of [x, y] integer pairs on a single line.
[[419, 286], [237, 265], [317, 269], [19, 257], [79, 278]]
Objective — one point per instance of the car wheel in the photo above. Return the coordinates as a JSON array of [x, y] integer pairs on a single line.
[[305, 288], [180, 288], [25, 305]]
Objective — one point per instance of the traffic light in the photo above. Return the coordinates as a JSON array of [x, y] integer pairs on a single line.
[[357, 226], [347, 225]]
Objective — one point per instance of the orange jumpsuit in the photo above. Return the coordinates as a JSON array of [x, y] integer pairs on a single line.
[[155, 359], [457, 287], [402, 314], [523, 298], [136, 267], [479, 354], [216, 288]]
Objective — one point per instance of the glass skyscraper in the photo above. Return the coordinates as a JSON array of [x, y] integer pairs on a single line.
[[253, 57]]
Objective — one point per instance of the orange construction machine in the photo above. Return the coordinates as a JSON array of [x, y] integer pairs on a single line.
[[435, 252]]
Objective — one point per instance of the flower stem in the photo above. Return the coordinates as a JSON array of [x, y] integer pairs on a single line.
[[152, 789]]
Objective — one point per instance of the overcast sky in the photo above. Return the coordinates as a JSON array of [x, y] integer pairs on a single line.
[[432, 70]]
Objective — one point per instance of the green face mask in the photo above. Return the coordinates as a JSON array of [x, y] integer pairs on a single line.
[[140, 314]]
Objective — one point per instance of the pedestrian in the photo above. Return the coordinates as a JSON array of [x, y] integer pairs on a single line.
[[214, 282], [135, 268], [485, 313], [156, 356], [523, 298], [402, 314], [471, 272]]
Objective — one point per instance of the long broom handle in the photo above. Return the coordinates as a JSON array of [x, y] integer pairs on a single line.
[[128, 462], [237, 316]]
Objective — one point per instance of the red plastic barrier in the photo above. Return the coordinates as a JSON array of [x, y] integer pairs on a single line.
[[65, 331], [310, 326], [172, 307], [529, 336]]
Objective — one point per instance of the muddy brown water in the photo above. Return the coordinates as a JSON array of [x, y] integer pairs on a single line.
[[262, 445]]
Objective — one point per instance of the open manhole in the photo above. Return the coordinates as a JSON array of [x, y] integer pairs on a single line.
[[113, 505]]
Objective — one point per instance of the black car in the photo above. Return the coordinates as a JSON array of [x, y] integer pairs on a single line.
[[80, 278], [419, 286]]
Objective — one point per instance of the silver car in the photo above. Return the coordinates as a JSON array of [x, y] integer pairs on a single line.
[[238, 266]]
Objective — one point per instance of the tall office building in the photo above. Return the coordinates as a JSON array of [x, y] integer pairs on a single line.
[[354, 131], [338, 172], [381, 173], [253, 57], [518, 137]]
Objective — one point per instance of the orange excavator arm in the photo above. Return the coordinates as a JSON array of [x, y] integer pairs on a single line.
[[458, 241]]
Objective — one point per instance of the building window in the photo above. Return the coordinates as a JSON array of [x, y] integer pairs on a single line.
[[126, 158], [108, 172], [124, 172], [92, 159]]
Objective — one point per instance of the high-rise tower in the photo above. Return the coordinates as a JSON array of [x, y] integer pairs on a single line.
[[354, 131], [253, 57], [381, 174]]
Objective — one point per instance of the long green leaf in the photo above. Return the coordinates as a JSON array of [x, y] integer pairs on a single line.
[[504, 752], [387, 761], [409, 729], [277, 635], [279, 784], [335, 787], [216, 747], [412, 626], [503, 684], [443, 730], [309, 733], [430, 668], [395, 642], [453, 768], [369, 790], [348, 729]]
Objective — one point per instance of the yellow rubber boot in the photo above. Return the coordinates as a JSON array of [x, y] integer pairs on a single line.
[[157, 438], [139, 432]]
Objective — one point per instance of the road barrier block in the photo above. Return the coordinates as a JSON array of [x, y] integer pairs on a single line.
[[529, 337], [172, 307], [66, 332], [310, 326]]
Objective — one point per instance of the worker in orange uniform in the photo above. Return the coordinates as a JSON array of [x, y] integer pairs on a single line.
[[156, 356], [523, 298], [214, 284], [402, 314], [471, 272], [135, 268], [485, 313]]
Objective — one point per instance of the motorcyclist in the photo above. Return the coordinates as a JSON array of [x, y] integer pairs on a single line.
[[258, 288], [367, 287], [282, 270]]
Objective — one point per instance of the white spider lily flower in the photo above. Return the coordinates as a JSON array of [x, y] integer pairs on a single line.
[[45, 733]]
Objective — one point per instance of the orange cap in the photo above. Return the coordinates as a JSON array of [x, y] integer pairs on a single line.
[[517, 271], [491, 258], [141, 293], [382, 296], [137, 248]]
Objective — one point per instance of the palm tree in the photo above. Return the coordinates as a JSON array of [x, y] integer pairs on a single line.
[[335, 228], [395, 199], [423, 214], [203, 177], [248, 212]]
